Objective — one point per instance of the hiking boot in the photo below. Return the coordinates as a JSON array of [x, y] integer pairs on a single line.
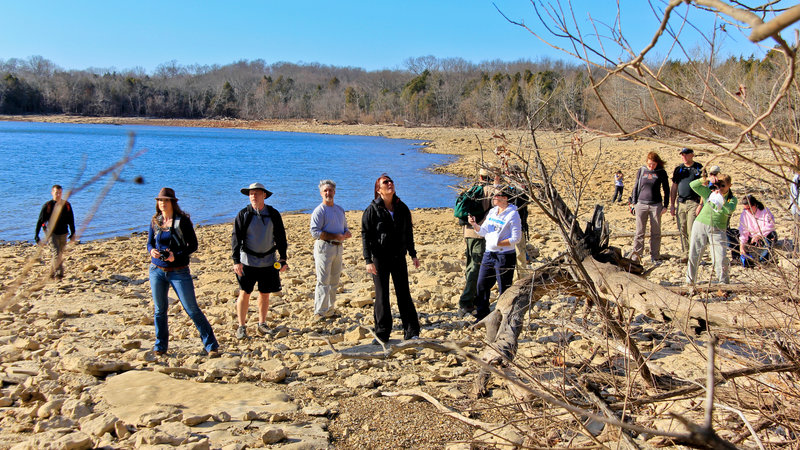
[[464, 311], [317, 318], [263, 329], [241, 332], [213, 353]]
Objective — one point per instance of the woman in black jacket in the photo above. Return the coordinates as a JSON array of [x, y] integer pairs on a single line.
[[387, 235], [170, 241]]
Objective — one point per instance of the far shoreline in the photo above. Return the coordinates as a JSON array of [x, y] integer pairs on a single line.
[[436, 140]]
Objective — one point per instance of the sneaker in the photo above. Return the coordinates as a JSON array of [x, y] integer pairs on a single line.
[[160, 352], [241, 332], [317, 318], [263, 329], [213, 353]]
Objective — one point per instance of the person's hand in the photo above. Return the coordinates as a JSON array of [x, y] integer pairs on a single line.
[[154, 253], [416, 262], [171, 257], [284, 266], [347, 235], [698, 209], [238, 269], [661, 212], [672, 210], [471, 220], [371, 269]]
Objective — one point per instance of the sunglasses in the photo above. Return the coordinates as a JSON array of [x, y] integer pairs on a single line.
[[387, 181]]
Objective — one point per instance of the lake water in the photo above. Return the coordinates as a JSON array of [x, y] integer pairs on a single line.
[[206, 166]]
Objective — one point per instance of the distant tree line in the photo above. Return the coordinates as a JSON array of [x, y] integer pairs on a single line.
[[432, 91]]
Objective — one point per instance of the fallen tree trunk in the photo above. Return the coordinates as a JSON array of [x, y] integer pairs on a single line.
[[690, 315]]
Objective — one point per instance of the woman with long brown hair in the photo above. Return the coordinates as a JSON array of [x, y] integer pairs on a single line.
[[650, 197], [170, 241]]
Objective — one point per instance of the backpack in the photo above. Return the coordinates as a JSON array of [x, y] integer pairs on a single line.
[[470, 203]]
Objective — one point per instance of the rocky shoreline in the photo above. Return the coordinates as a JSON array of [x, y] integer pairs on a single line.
[[78, 370]]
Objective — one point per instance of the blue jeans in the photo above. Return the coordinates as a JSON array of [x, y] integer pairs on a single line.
[[181, 282], [495, 268]]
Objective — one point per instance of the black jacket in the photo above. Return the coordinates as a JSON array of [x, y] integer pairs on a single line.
[[181, 244], [240, 232], [383, 236], [64, 224]]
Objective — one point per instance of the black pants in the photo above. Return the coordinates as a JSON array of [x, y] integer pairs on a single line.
[[396, 267], [617, 194]]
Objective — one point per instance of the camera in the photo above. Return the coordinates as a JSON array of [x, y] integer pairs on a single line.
[[163, 254], [713, 186]]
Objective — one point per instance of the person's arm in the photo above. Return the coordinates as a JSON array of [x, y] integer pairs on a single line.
[[634, 198], [367, 234], [409, 231], [279, 232], [317, 223], [236, 245], [70, 220], [516, 231], [189, 238], [39, 222], [664, 180]]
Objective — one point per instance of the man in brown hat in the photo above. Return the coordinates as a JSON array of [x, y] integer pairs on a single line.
[[258, 232]]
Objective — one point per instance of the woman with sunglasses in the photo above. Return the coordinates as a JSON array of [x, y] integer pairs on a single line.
[[711, 224], [756, 232], [387, 234]]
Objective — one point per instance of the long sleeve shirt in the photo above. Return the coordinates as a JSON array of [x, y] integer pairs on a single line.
[[65, 223], [754, 226], [651, 187], [499, 226], [328, 219], [710, 214]]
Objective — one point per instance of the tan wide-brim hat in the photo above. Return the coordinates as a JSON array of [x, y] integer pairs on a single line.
[[166, 194], [246, 191]]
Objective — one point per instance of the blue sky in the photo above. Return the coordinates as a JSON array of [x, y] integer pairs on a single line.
[[373, 35]]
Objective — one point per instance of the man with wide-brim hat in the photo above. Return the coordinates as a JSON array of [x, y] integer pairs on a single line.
[[246, 191], [258, 233]]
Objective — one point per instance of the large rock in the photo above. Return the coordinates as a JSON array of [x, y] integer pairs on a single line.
[[93, 366], [98, 424], [133, 393], [273, 371]]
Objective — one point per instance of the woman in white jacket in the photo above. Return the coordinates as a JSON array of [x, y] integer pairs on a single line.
[[502, 229]]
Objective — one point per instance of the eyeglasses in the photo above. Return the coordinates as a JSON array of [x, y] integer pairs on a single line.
[[720, 184]]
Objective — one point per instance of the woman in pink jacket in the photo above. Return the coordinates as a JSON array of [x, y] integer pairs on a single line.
[[756, 231]]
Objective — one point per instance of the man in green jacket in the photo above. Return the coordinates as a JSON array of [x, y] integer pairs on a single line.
[[711, 225]]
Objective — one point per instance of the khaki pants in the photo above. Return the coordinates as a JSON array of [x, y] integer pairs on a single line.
[[685, 215], [58, 242], [328, 264], [645, 213], [702, 236]]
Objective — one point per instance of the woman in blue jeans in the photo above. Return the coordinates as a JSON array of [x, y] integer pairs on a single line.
[[502, 229], [170, 241]]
